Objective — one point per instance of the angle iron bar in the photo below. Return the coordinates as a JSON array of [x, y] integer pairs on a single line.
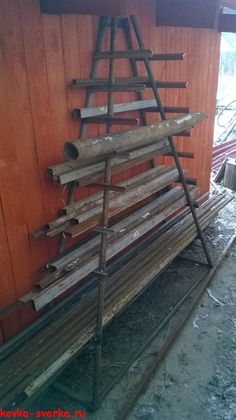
[[93, 221], [57, 289], [83, 206], [92, 200], [60, 262], [174, 194]]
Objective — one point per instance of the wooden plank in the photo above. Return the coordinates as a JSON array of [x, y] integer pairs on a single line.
[[40, 107], [60, 119], [7, 286], [18, 158], [103, 7]]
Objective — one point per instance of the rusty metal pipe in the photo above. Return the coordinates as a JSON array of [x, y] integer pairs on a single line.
[[99, 147]]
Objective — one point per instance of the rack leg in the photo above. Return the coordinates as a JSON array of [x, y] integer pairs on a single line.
[[103, 251], [172, 144]]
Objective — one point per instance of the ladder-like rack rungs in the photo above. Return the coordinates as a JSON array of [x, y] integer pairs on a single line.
[[137, 54], [147, 104], [113, 121], [170, 109], [168, 57], [117, 88], [127, 81]]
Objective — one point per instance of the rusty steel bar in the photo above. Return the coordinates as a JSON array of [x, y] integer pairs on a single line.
[[69, 336], [143, 104], [113, 121], [123, 81], [137, 54], [71, 212], [98, 147]]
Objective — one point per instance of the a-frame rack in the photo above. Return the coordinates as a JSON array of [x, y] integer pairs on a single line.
[[110, 85]]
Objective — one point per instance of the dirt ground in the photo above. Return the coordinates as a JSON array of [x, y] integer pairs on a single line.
[[197, 380], [198, 377]]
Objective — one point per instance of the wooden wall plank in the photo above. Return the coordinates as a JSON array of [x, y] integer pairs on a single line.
[[12, 176], [46, 142]]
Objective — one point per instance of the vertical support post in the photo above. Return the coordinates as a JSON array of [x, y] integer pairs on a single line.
[[102, 276], [134, 68], [72, 186], [171, 142]]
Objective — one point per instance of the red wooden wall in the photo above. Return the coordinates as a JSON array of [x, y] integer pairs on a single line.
[[39, 55]]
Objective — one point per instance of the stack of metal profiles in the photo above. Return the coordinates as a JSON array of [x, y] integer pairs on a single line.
[[140, 244], [73, 323]]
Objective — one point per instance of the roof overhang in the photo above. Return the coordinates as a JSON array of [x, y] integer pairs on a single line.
[[185, 13], [82, 7]]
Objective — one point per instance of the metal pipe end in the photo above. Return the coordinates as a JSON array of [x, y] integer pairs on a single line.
[[71, 151]]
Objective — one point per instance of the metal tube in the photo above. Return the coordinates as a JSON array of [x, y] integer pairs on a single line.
[[99, 147]]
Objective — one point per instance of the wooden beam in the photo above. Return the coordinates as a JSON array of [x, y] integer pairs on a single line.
[[187, 13], [88, 7], [227, 23]]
